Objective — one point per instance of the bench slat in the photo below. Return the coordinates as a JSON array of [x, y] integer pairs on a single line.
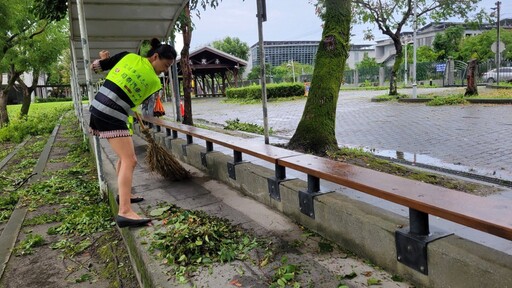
[[481, 213], [248, 146]]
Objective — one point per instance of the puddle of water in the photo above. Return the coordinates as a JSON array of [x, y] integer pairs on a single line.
[[414, 158]]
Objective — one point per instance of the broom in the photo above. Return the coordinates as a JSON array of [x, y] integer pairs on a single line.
[[160, 160]]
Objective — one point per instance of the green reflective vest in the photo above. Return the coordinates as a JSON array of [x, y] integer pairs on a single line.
[[136, 77]]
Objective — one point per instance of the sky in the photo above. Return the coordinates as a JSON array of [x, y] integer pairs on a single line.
[[286, 20]]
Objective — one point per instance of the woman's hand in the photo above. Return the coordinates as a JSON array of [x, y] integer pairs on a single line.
[[104, 54], [95, 65]]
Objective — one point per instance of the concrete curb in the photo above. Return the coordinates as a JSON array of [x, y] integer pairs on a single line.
[[12, 229], [8, 157], [470, 100]]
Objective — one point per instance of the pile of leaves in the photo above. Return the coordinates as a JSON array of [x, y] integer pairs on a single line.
[[246, 127], [190, 239]]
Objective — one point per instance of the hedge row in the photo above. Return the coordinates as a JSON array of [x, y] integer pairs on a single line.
[[273, 91], [53, 99]]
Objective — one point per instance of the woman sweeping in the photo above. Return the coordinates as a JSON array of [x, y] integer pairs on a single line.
[[132, 79]]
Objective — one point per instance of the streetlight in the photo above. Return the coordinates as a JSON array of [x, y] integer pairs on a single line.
[[293, 69], [414, 85], [262, 16], [406, 40], [498, 52]]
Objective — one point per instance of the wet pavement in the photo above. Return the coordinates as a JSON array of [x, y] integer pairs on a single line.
[[472, 138]]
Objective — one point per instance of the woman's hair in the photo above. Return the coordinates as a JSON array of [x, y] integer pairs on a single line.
[[165, 51]]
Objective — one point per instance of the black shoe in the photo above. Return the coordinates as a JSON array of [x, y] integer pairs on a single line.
[[127, 222], [132, 200]]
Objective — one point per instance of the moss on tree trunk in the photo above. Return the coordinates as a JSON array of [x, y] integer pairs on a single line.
[[186, 70], [316, 130]]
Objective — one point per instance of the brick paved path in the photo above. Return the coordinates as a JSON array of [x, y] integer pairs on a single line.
[[473, 138]]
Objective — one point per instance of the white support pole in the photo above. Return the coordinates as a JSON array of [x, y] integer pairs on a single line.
[[88, 81], [293, 71], [405, 65], [75, 89]]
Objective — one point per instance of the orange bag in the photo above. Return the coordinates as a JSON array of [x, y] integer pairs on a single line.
[[182, 109], [159, 108]]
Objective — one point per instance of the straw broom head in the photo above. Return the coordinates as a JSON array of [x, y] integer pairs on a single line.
[[161, 161]]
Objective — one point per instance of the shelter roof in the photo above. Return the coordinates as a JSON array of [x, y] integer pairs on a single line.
[[207, 60], [120, 25]]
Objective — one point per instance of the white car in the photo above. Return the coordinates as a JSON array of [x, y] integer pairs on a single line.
[[491, 75]]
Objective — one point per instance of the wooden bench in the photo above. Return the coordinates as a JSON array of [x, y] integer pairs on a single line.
[[485, 214], [239, 146]]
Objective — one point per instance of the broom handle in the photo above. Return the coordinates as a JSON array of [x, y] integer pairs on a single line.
[[140, 120]]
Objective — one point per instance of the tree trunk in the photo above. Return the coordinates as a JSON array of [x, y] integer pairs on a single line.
[[186, 71], [399, 57], [27, 91], [4, 117], [316, 130], [471, 88]]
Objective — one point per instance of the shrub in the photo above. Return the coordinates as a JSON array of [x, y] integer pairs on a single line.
[[53, 99], [273, 91], [450, 100], [40, 120]]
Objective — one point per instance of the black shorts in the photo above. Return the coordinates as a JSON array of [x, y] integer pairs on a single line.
[[106, 129]]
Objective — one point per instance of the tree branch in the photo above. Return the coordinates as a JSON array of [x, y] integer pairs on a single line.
[[40, 31]]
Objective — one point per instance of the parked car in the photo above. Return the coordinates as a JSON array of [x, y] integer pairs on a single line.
[[491, 75]]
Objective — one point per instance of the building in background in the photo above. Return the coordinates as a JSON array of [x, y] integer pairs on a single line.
[[385, 49], [279, 52], [304, 52]]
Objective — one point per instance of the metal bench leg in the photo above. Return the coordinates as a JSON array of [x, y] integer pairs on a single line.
[[209, 148], [306, 198], [190, 140], [273, 182], [411, 242], [237, 159]]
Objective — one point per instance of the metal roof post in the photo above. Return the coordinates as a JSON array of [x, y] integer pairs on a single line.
[[88, 81], [75, 89]]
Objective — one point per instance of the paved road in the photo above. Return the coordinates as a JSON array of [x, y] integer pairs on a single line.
[[472, 138]]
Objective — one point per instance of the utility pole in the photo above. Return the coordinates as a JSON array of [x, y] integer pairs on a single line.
[[498, 54], [293, 69], [262, 17], [414, 84], [406, 40]]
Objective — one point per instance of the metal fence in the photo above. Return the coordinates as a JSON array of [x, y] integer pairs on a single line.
[[441, 73]]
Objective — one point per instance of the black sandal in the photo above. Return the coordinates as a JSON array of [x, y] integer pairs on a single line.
[[123, 222]]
